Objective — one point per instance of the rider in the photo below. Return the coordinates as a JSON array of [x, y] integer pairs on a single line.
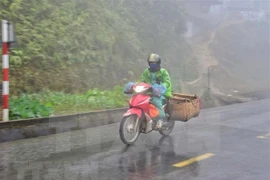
[[156, 76]]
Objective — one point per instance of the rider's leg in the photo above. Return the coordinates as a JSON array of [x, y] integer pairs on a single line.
[[158, 102]]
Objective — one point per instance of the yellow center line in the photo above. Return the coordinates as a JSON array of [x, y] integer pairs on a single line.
[[264, 136], [193, 160]]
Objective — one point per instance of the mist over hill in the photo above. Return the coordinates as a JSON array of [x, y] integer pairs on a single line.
[[76, 45], [231, 43]]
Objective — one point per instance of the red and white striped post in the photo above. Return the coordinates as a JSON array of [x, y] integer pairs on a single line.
[[5, 45]]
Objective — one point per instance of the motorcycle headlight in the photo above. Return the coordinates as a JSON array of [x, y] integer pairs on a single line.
[[139, 89]]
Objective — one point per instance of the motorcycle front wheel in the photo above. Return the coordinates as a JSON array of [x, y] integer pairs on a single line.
[[128, 132]]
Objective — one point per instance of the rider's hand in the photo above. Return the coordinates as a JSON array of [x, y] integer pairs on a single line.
[[128, 87]]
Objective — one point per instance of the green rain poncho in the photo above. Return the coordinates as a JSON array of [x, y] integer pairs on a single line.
[[152, 78], [162, 75]]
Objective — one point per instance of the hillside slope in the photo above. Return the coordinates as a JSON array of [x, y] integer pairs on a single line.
[[74, 46]]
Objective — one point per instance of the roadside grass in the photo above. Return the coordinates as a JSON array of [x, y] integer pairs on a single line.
[[48, 103]]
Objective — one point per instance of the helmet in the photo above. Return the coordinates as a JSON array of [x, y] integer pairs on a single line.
[[154, 58]]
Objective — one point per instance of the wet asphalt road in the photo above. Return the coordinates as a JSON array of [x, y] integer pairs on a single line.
[[236, 135]]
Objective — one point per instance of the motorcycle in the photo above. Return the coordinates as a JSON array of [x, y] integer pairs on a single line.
[[137, 119]]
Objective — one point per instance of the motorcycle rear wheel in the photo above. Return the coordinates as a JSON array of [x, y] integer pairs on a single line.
[[127, 126], [167, 131]]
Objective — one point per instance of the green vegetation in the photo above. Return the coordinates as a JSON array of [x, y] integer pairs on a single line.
[[75, 45], [67, 47], [47, 103], [25, 107]]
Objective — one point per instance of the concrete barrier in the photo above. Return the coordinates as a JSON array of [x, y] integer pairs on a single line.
[[29, 128]]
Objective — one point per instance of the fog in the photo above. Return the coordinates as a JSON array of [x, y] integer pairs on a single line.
[[230, 40], [216, 45]]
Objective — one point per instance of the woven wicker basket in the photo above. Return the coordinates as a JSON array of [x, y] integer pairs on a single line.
[[183, 107]]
